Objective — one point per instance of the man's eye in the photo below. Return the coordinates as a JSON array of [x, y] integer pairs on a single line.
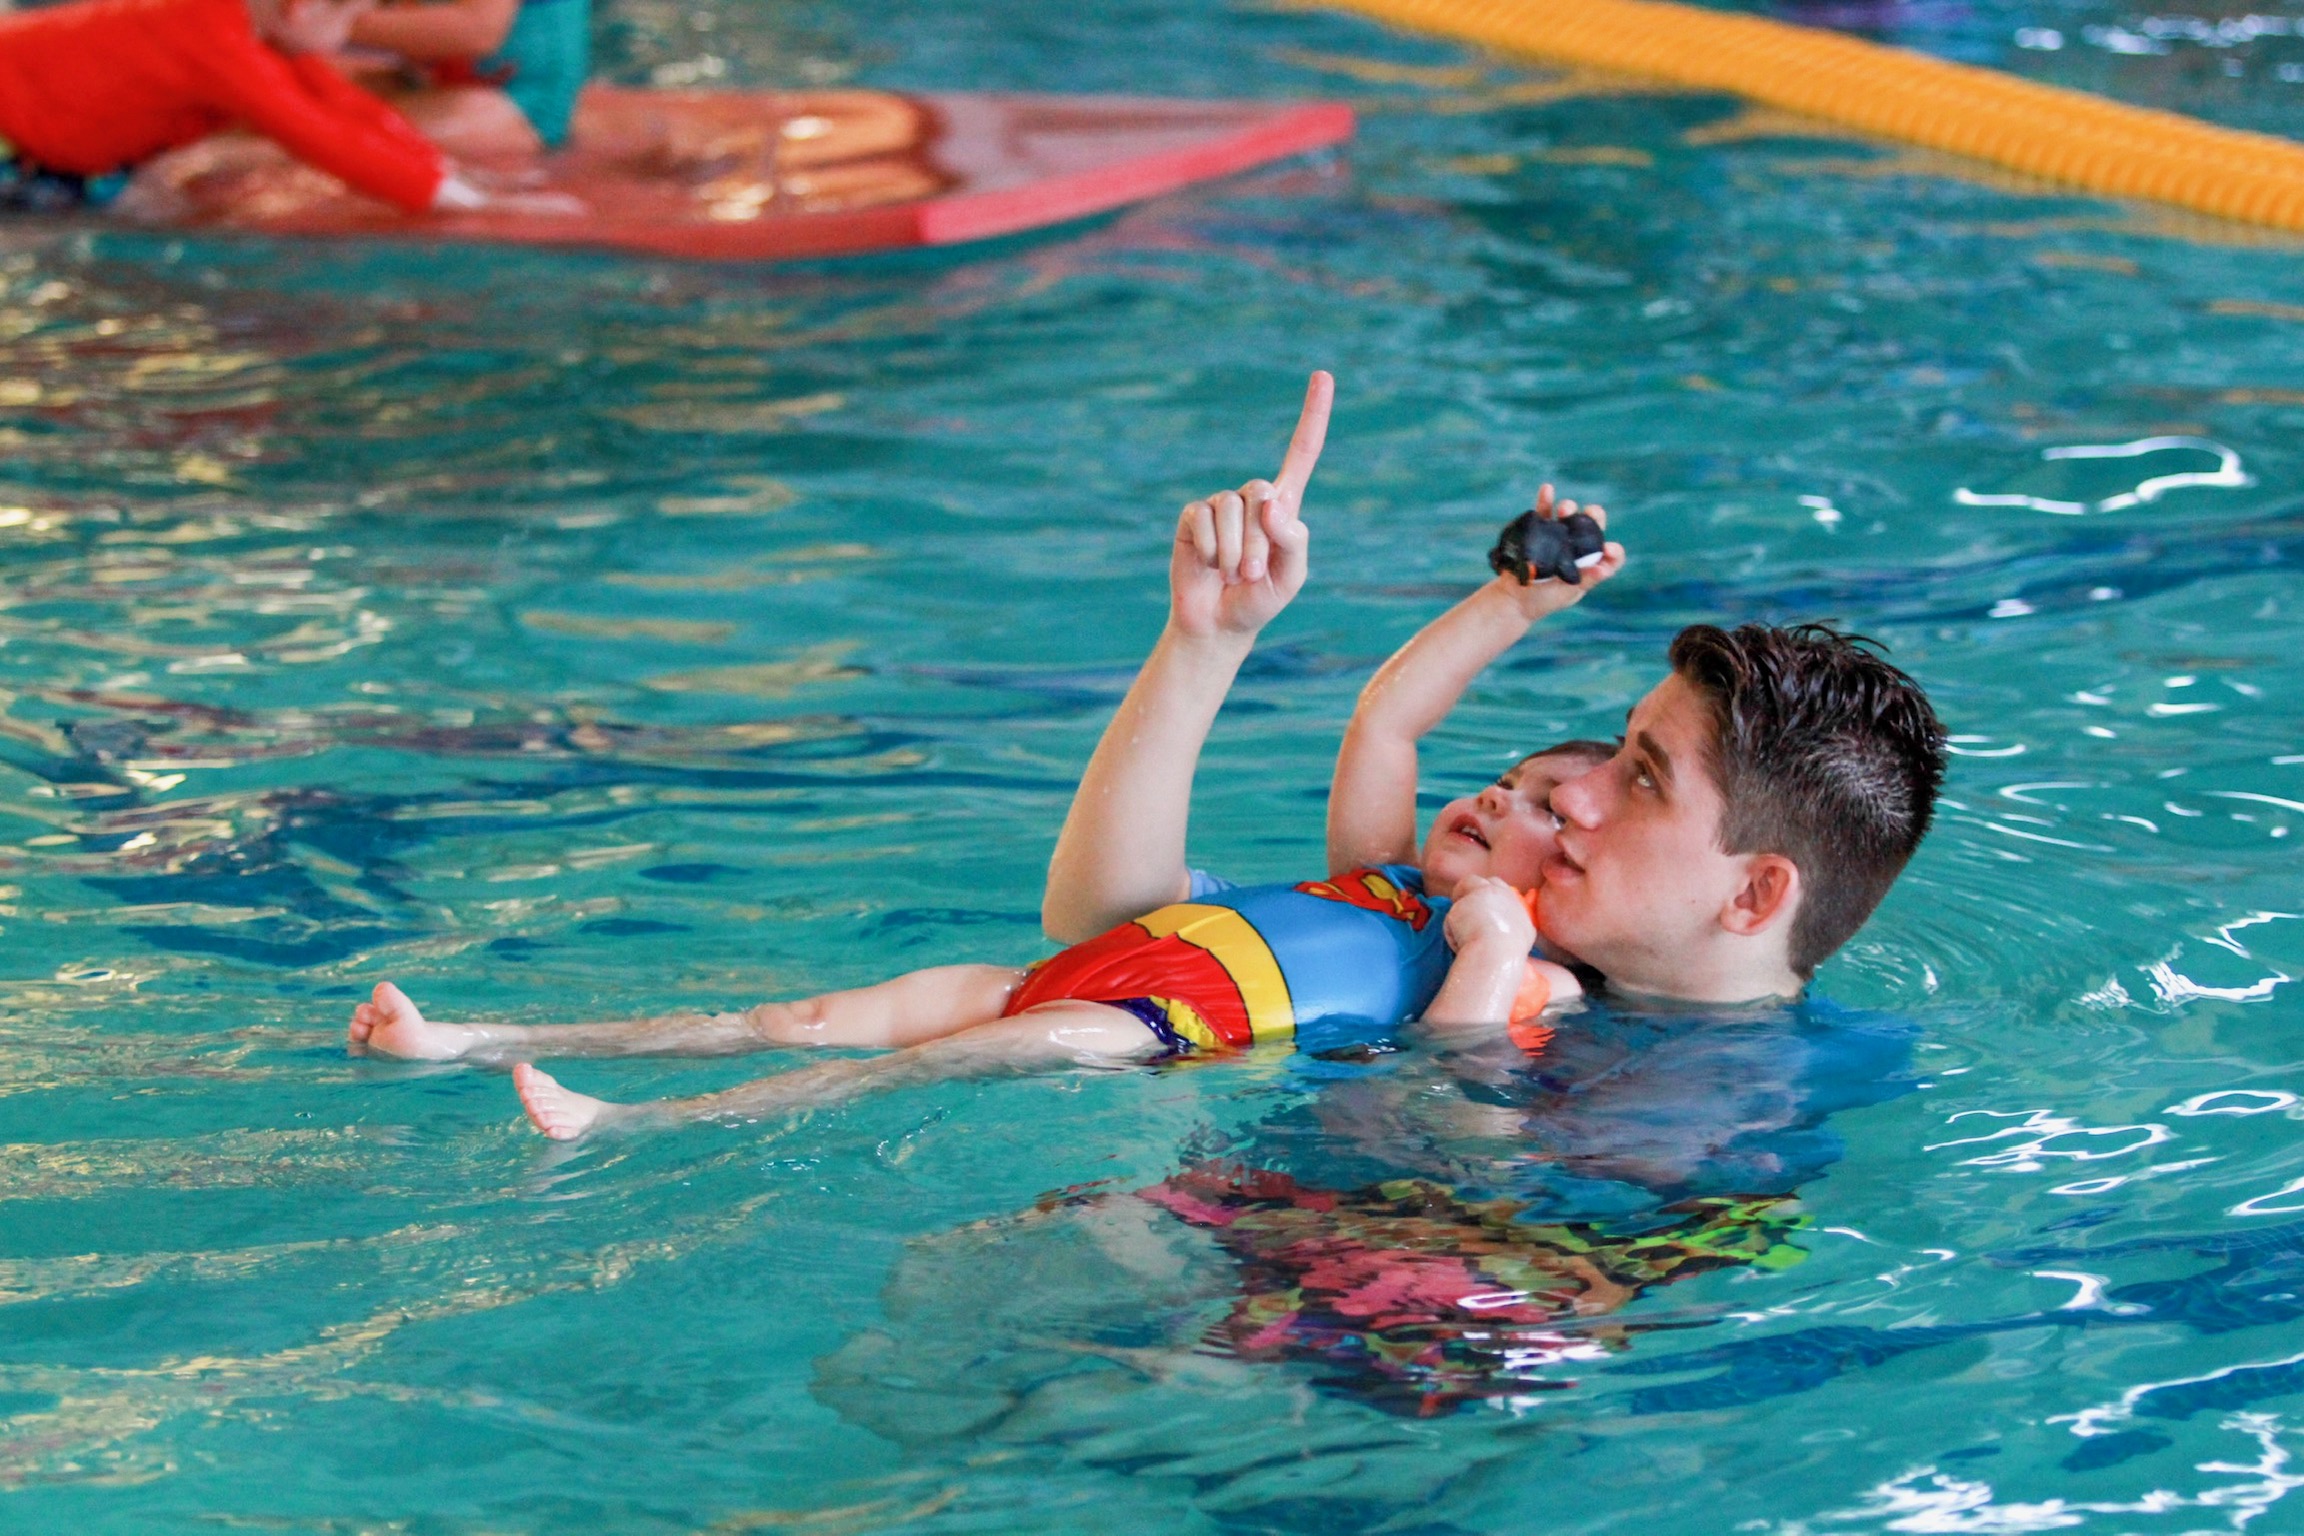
[[1643, 778]]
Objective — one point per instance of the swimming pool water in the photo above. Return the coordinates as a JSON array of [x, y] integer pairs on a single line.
[[567, 637]]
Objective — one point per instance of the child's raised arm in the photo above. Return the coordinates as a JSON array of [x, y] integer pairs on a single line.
[[1372, 798], [1239, 558]]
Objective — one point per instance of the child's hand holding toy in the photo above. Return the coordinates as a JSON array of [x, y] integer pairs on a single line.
[[1554, 553]]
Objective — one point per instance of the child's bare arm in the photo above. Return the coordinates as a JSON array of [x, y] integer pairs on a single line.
[[1492, 934], [1239, 558], [1372, 798]]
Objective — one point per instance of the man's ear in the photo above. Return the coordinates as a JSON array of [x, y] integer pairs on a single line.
[[1769, 895]]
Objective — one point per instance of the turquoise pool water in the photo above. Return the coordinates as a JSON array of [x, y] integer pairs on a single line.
[[567, 637]]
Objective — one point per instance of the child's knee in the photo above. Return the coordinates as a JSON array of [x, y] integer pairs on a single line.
[[801, 1022], [1091, 1033], [986, 989]]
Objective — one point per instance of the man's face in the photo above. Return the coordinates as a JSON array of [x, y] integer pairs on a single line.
[[310, 26], [1507, 830], [1639, 879]]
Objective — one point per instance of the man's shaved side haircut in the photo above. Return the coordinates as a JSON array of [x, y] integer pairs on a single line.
[[1825, 754]]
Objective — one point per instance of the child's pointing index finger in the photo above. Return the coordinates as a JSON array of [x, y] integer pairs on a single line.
[[1311, 435]]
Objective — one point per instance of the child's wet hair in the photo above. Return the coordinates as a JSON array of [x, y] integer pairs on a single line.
[[1596, 751]]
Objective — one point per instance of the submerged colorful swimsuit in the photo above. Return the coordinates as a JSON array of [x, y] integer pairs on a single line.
[[1258, 963], [1419, 1301]]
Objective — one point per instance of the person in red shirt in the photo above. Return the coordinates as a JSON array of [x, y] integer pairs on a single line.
[[91, 89]]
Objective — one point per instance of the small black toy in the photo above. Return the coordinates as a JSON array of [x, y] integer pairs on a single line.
[[1536, 548]]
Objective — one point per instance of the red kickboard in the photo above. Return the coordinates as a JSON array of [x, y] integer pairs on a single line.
[[742, 176]]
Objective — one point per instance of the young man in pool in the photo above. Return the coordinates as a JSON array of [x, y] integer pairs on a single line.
[[1765, 796], [1831, 753]]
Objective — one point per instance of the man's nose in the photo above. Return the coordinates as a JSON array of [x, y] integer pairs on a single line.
[[1578, 801]]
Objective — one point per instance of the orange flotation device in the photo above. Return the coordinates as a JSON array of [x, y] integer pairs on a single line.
[[1534, 996]]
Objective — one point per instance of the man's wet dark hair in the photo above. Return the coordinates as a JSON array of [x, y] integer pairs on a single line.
[[1825, 754]]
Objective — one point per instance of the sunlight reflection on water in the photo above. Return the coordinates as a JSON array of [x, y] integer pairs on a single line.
[[570, 637]]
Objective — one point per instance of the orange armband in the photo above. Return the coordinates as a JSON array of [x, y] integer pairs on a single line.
[[1534, 996]]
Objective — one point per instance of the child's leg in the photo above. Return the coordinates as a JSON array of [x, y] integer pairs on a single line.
[[922, 1005], [1051, 1035]]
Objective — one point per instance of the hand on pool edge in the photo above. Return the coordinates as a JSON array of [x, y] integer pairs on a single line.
[[462, 192]]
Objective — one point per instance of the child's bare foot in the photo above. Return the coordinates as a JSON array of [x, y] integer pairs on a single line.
[[389, 1025], [558, 1112]]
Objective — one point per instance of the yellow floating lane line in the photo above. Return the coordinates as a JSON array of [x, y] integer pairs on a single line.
[[2041, 130]]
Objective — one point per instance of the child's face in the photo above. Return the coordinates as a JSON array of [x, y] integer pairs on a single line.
[[309, 26], [1506, 831]]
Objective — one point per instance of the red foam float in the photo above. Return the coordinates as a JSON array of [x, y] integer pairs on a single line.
[[739, 176]]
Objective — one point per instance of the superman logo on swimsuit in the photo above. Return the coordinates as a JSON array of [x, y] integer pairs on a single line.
[[1371, 891]]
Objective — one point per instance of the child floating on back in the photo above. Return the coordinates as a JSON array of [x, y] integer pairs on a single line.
[[1231, 968], [1766, 794]]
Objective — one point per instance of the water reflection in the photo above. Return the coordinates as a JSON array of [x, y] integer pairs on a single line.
[[2228, 472], [307, 876], [582, 632]]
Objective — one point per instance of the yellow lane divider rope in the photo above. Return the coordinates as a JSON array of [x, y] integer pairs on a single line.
[[2042, 130]]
